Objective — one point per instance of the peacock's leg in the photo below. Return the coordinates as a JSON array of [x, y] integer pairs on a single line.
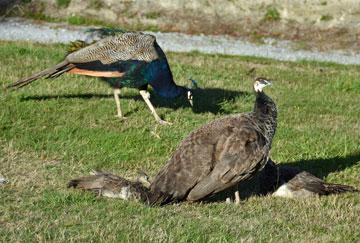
[[117, 101], [146, 96]]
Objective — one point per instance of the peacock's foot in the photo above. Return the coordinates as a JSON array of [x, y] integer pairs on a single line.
[[162, 122], [122, 118]]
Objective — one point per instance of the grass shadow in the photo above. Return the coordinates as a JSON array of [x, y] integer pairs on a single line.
[[322, 167], [211, 99], [85, 96], [205, 100]]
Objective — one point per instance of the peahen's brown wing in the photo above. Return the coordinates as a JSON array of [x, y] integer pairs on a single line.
[[213, 158], [122, 47]]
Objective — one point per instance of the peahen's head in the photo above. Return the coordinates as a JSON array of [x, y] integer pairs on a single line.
[[264, 107], [260, 84]]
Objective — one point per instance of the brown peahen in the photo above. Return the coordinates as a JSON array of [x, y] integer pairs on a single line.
[[290, 182], [130, 59], [212, 158]]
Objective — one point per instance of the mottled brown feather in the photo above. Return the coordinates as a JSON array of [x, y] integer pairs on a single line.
[[212, 158], [122, 47]]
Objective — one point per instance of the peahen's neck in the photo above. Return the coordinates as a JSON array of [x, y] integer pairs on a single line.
[[266, 113]]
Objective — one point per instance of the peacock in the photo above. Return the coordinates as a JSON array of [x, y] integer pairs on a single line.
[[123, 59], [209, 160]]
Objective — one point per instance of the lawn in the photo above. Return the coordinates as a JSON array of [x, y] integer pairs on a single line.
[[54, 130]]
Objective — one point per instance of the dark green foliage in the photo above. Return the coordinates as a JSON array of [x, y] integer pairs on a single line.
[[152, 15], [106, 31], [76, 45], [326, 18], [272, 14], [79, 20]]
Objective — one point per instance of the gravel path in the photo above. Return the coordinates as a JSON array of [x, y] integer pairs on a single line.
[[19, 29]]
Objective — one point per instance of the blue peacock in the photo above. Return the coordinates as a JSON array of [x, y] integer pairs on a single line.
[[122, 59]]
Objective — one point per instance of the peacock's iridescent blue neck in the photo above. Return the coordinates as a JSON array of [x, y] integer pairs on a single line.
[[159, 76]]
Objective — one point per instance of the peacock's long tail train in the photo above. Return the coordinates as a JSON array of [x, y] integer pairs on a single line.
[[65, 66], [109, 185], [51, 72]]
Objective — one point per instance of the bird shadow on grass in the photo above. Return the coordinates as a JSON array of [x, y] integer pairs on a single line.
[[205, 100], [323, 167]]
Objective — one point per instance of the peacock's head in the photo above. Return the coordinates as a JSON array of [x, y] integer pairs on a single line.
[[261, 83]]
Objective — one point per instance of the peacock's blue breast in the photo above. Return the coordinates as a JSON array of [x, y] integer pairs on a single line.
[[156, 73]]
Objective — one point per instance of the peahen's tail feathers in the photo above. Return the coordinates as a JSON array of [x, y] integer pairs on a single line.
[[52, 72], [337, 188], [109, 185]]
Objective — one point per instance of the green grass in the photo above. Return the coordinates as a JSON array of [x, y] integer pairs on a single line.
[[55, 130], [326, 17], [272, 14], [63, 3]]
